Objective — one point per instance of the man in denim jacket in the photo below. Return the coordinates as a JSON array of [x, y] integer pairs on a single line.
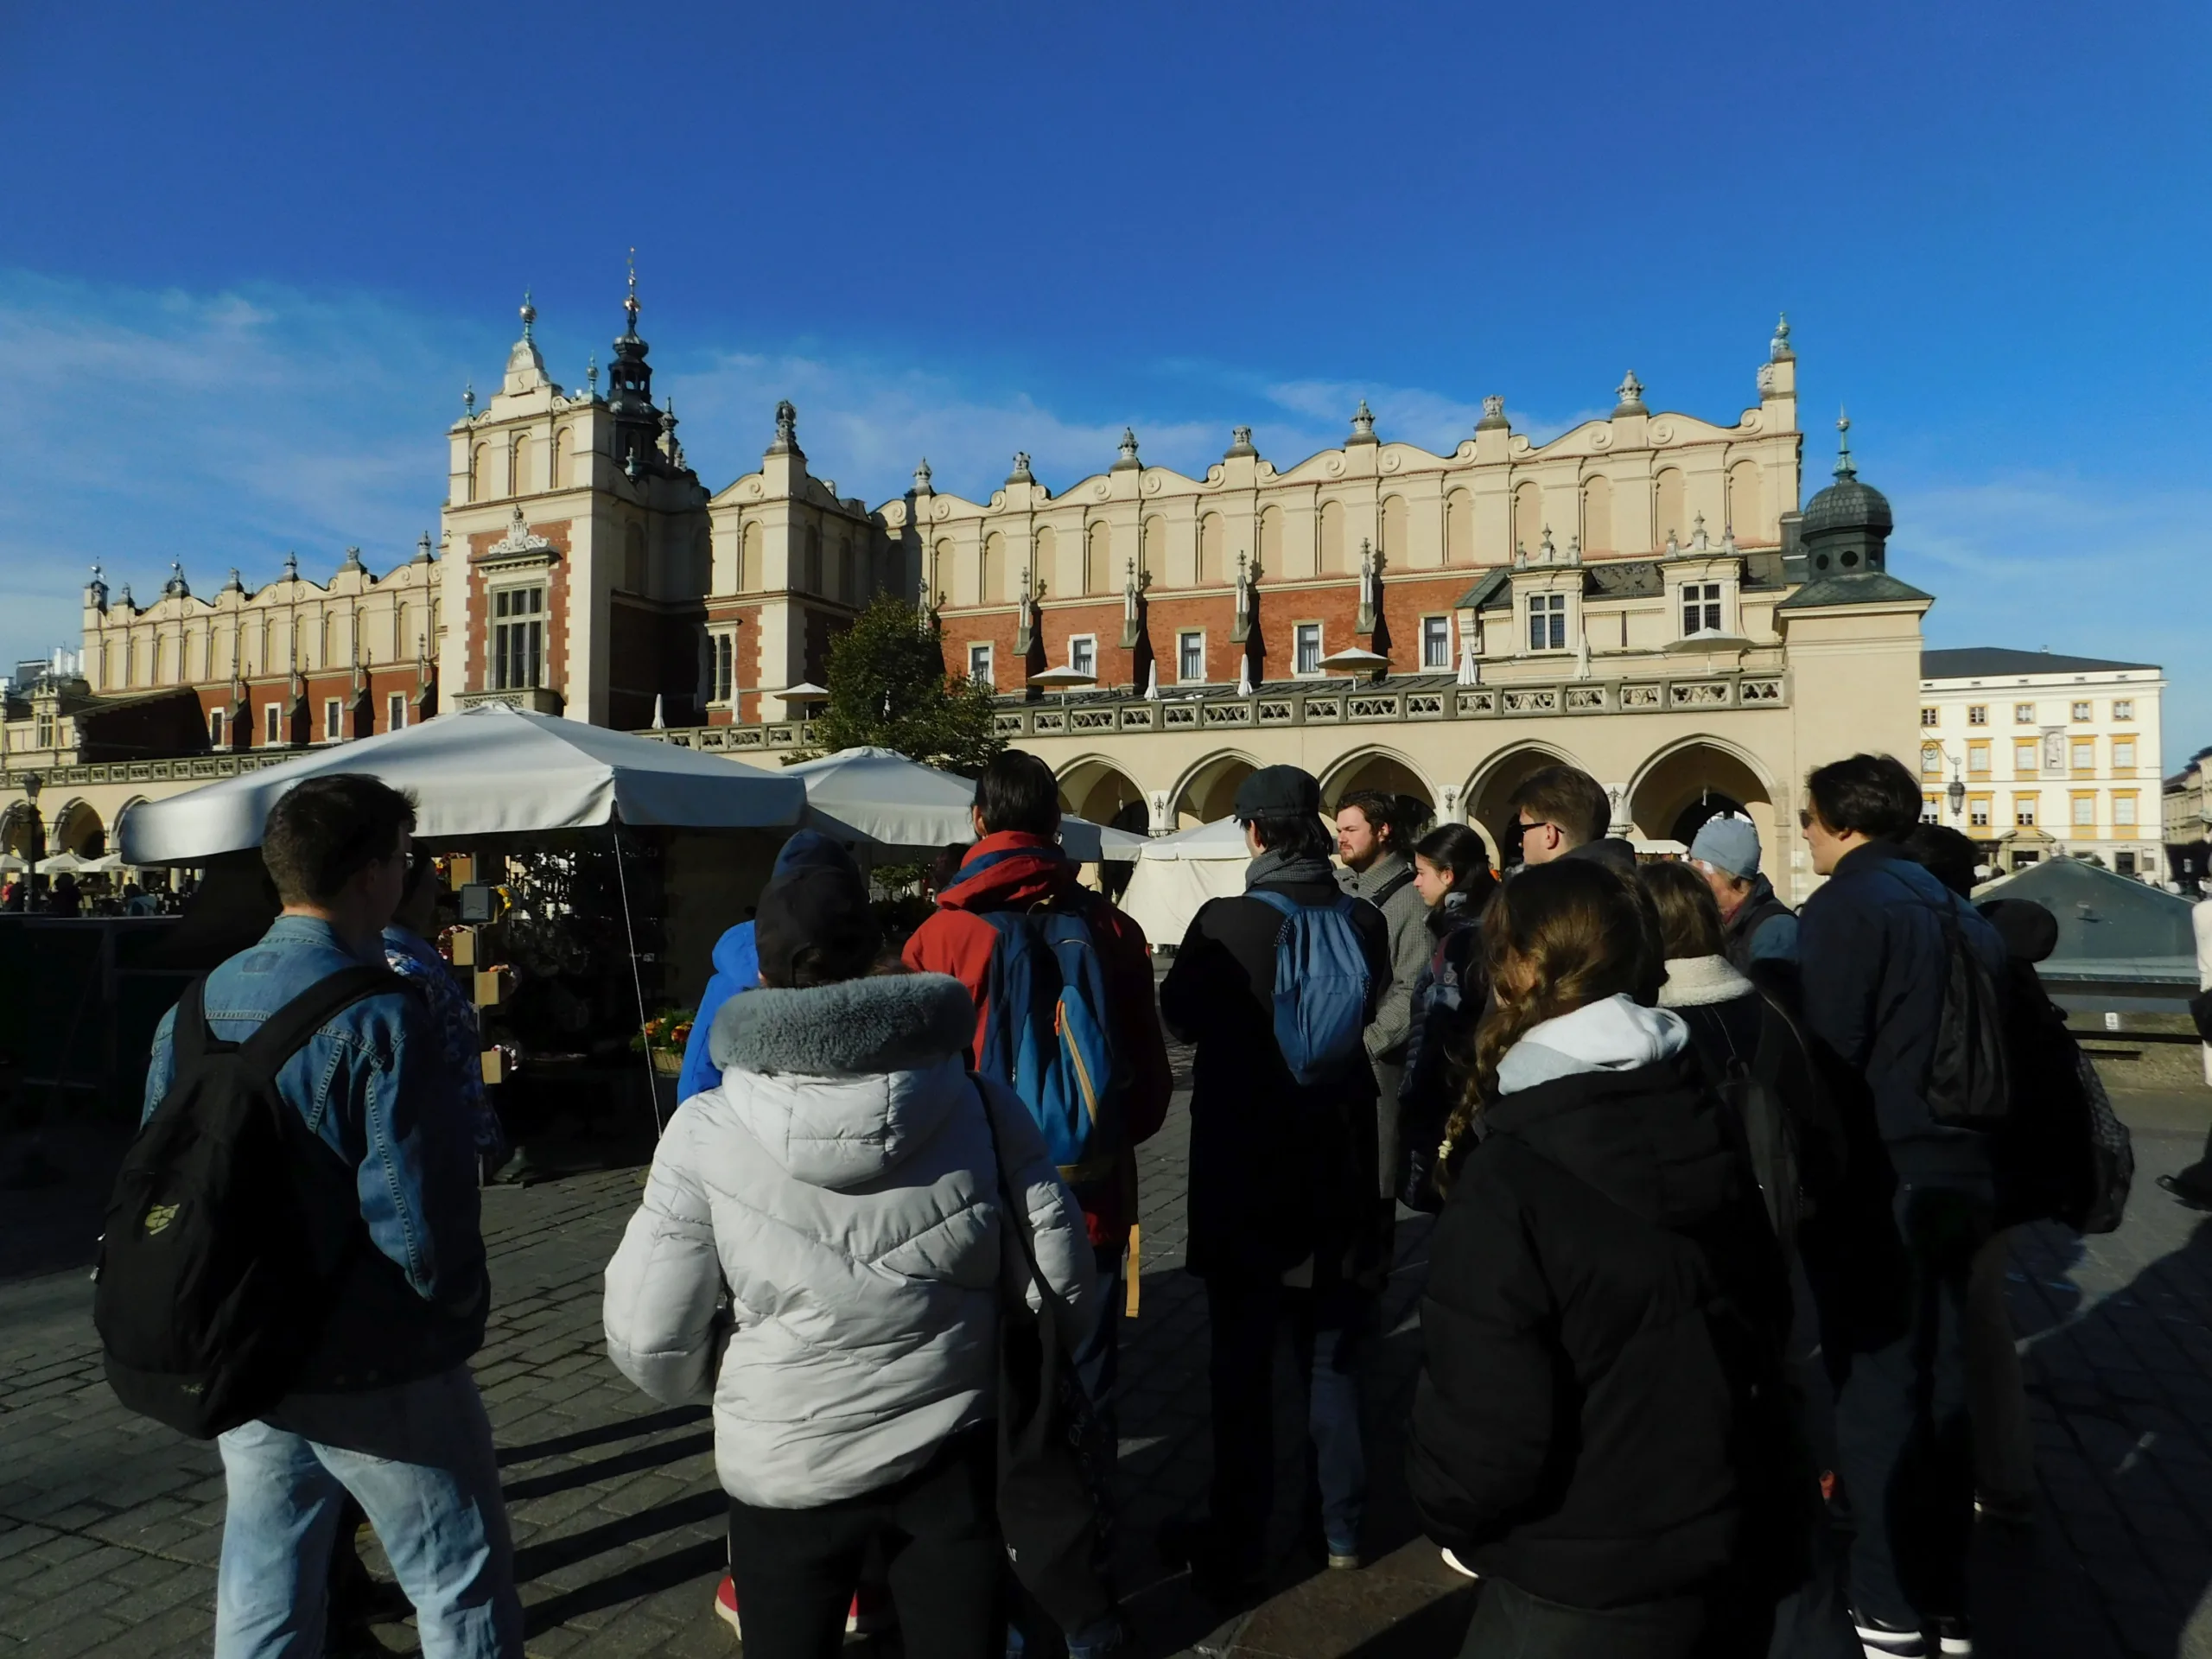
[[385, 1408]]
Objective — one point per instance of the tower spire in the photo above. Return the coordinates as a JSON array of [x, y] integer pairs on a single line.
[[529, 315], [1843, 466]]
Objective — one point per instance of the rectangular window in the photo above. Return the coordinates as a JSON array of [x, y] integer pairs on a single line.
[[1701, 607], [2024, 812], [43, 731], [2123, 811], [979, 664], [2085, 755], [2024, 759], [1978, 811], [2081, 711], [725, 664], [272, 723], [1977, 758], [2123, 863], [1930, 810], [1436, 642], [517, 639], [1931, 716], [2124, 710], [1083, 653], [2123, 754], [2085, 811], [2024, 713], [1189, 657], [1307, 654], [1547, 622], [333, 728], [394, 711], [215, 728], [1977, 715]]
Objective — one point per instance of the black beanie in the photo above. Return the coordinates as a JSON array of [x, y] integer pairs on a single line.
[[817, 908]]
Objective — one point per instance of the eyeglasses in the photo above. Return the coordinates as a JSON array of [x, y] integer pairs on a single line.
[[1804, 817]]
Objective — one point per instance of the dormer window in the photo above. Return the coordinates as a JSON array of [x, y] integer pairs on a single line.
[[1701, 607], [1547, 622]]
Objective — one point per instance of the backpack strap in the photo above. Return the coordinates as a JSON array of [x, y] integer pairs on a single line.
[[1403, 878], [284, 1033], [188, 1034]]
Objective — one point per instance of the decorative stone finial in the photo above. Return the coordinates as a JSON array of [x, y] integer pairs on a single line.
[[1129, 450], [1631, 393], [1520, 552], [423, 554], [630, 300], [1778, 350], [1363, 422], [176, 587], [352, 559], [1544, 549], [1240, 443], [1843, 466], [922, 477], [1698, 540], [1574, 550], [291, 567], [591, 376], [234, 585], [528, 314], [127, 599], [468, 399], [786, 421], [1672, 546], [1728, 538], [1493, 414], [1020, 474]]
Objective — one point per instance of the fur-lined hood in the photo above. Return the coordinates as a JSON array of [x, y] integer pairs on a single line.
[[840, 1083], [1699, 982]]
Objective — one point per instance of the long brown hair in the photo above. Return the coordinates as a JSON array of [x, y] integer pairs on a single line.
[[1555, 938]]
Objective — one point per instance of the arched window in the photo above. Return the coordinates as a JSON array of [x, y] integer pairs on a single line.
[[1098, 559], [941, 568], [479, 474], [1747, 503], [748, 558], [1597, 514], [1396, 535], [991, 570], [1041, 567], [1152, 559], [1333, 538], [561, 473], [1459, 528], [521, 473], [1270, 540], [1528, 520], [1213, 542], [1668, 499]]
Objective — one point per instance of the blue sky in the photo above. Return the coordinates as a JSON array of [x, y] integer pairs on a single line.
[[249, 256]]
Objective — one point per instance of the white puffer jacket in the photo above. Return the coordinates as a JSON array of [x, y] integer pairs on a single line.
[[840, 1183]]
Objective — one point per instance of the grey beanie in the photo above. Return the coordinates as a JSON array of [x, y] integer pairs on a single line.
[[1730, 845]]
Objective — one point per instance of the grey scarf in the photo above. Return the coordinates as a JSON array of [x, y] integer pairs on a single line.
[[1274, 866]]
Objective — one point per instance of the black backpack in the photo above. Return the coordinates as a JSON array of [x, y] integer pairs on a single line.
[[229, 1222], [1968, 1080]]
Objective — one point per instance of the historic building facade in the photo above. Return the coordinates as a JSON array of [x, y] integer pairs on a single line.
[[1640, 595], [2050, 754]]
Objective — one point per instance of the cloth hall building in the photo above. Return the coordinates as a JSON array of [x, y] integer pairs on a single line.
[[1641, 595]]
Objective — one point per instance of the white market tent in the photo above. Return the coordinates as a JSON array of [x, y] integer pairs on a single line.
[[486, 771], [1179, 873], [881, 797], [62, 863]]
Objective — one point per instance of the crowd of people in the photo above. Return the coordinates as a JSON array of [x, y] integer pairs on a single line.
[[1715, 1357]]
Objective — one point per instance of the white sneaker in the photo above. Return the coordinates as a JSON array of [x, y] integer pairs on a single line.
[[1458, 1566], [1881, 1641]]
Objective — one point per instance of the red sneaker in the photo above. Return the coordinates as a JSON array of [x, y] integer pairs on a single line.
[[867, 1613]]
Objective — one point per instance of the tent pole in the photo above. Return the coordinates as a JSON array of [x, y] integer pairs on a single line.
[[636, 980]]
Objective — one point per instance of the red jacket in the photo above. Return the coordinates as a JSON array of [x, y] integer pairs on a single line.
[[1019, 871]]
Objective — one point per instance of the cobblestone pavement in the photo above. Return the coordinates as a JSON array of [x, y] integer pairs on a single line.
[[110, 1526]]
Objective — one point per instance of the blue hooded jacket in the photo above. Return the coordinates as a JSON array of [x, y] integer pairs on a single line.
[[737, 961]]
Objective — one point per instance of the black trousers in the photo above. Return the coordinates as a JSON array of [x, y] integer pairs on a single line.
[[795, 1570], [1511, 1623]]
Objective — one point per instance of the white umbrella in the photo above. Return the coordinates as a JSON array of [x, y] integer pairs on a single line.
[[488, 770], [11, 865], [1355, 659], [106, 864], [881, 797], [1244, 675], [62, 863]]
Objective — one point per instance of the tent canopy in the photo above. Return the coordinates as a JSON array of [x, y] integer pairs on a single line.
[[1223, 839], [2109, 926], [487, 770], [879, 796], [1180, 872]]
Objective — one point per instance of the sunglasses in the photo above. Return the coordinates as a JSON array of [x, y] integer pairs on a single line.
[[1804, 817]]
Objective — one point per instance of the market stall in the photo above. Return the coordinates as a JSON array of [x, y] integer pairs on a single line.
[[879, 801], [1177, 873]]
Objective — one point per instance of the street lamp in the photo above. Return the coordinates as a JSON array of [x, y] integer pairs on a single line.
[[1956, 793], [32, 782]]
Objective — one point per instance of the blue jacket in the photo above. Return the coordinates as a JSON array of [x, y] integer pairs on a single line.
[[1873, 969], [737, 968], [373, 1085]]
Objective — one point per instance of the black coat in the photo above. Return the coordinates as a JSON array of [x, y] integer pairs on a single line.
[[1872, 968], [1448, 1000], [1601, 1418], [1277, 1172]]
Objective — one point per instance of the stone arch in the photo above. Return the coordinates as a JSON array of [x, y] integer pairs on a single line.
[[1528, 517], [1213, 558], [77, 828], [1395, 529], [1683, 784], [1098, 559], [16, 829], [1483, 801], [560, 468], [1597, 514], [1204, 793], [1459, 527], [122, 817], [1152, 552], [479, 473], [1044, 562], [519, 469], [990, 569], [749, 542], [1375, 768], [1334, 559], [1098, 789], [1671, 507], [1746, 506], [1270, 548]]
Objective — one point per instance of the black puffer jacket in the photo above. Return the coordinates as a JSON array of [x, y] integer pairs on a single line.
[[1601, 1418], [1449, 996], [1277, 1172]]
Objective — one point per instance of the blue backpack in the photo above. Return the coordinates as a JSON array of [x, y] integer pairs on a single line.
[[1322, 982], [1047, 1037]]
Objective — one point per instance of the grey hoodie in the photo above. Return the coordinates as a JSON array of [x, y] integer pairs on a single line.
[[840, 1183]]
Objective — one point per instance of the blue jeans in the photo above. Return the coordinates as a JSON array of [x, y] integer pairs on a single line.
[[419, 1459]]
